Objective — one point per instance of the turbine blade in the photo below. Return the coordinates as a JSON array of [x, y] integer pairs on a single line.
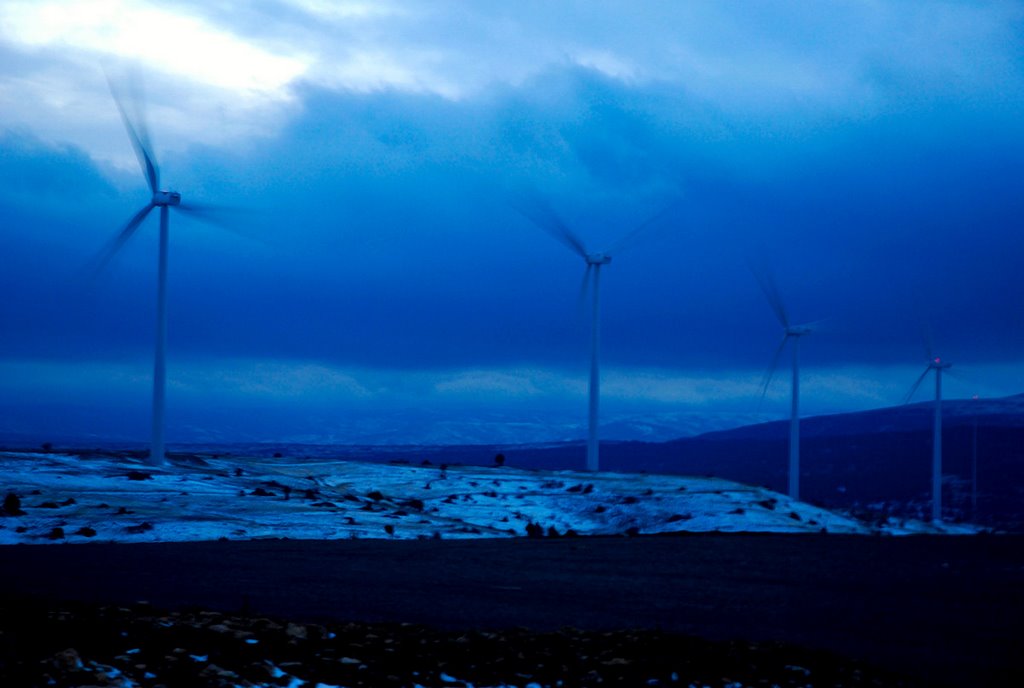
[[816, 325], [581, 299], [537, 211], [108, 252], [927, 339], [916, 385], [970, 377], [771, 368], [766, 279], [139, 135], [644, 231], [219, 216]]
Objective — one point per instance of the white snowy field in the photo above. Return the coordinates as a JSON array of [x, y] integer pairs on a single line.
[[117, 499]]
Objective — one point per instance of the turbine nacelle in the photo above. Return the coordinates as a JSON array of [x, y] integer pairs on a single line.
[[938, 364], [163, 198], [598, 259]]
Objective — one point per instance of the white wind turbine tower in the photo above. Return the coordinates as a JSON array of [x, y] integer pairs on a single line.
[[938, 365], [792, 333], [544, 217], [163, 199]]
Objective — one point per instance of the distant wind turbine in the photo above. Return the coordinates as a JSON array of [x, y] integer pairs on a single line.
[[163, 199], [794, 333], [938, 365], [544, 217]]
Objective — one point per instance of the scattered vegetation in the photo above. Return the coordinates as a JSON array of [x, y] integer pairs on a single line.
[[77, 644], [12, 505]]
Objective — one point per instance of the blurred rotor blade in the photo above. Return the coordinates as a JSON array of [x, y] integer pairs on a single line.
[[816, 325], [108, 252], [206, 212], [766, 279], [771, 368], [644, 231], [537, 211], [138, 133], [927, 339], [220, 216], [917, 383], [970, 376], [581, 300]]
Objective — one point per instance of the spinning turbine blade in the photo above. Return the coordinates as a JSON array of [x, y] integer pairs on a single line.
[[140, 140], [927, 339], [581, 300], [642, 231], [110, 250], [205, 211], [540, 213], [766, 280], [913, 389], [218, 216], [774, 364], [815, 325], [222, 217]]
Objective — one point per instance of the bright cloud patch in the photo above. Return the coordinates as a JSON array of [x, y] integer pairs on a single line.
[[172, 42], [337, 10]]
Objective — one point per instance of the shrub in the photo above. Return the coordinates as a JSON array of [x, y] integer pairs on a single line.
[[12, 505]]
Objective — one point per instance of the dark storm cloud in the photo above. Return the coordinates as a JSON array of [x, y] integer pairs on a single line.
[[378, 231], [400, 207]]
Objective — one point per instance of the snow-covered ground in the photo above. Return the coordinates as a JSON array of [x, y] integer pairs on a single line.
[[111, 498]]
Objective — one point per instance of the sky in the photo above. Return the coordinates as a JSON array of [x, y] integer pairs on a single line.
[[370, 266]]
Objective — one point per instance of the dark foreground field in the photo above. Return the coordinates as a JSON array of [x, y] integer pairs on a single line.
[[942, 611]]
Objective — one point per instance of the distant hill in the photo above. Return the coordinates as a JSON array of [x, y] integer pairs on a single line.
[[877, 460]]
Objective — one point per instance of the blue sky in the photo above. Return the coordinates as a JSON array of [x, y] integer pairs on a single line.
[[373, 264]]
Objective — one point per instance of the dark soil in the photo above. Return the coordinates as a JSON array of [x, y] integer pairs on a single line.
[[76, 644], [941, 610]]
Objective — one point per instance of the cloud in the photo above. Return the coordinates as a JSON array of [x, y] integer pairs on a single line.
[[788, 69], [871, 154], [271, 380], [490, 382], [154, 36], [341, 11]]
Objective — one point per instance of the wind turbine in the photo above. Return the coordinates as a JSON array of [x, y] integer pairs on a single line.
[[938, 365], [164, 200], [544, 217], [794, 333]]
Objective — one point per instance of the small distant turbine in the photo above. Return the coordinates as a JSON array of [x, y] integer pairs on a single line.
[[794, 333], [938, 365], [163, 199], [544, 217]]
